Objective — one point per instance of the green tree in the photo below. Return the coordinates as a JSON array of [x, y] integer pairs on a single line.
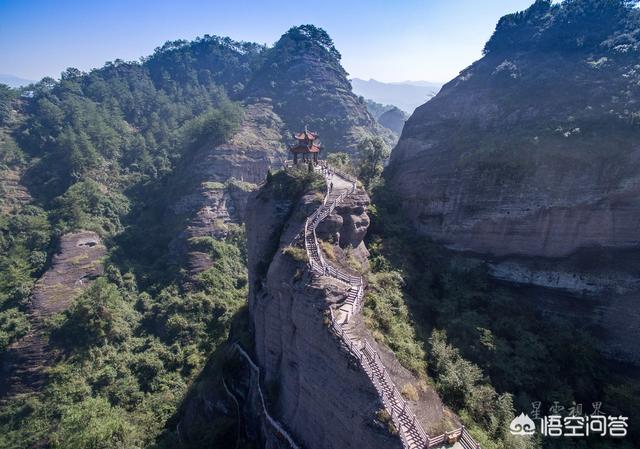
[[372, 153], [94, 424], [340, 160], [101, 314]]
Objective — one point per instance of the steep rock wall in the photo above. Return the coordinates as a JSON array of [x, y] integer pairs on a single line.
[[322, 398], [212, 186], [531, 156]]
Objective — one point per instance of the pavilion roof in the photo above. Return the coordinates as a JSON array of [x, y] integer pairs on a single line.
[[306, 135]]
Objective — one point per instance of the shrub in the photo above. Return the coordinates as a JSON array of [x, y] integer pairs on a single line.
[[90, 205], [384, 417], [296, 253], [99, 315], [13, 325], [328, 250], [95, 424], [409, 392]]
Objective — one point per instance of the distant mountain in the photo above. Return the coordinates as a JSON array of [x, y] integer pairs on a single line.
[[405, 95], [377, 109], [393, 119], [14, 81], [419, 83]]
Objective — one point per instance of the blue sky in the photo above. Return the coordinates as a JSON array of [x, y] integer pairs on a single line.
[[388, 40]]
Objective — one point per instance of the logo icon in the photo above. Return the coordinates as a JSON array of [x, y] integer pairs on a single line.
[[522, 425]]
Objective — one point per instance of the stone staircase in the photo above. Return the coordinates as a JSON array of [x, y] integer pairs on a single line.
[[409, 429]]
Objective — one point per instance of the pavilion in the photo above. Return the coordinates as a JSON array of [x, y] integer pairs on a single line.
[[307, 145]]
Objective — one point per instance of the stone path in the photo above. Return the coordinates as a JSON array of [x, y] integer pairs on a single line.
[[410, 431]]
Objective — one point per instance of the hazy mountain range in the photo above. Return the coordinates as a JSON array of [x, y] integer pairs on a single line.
[[14, 81], [406, 95]]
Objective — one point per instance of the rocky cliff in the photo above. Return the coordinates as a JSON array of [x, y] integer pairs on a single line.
[[533, 150], [76, 264], [321, 396], [303, 74], [210, 189], [297, 82]]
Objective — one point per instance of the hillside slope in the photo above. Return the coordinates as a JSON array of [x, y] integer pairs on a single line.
[[157, 158]]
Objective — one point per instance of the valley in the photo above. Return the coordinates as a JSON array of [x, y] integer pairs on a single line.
[[233, 244]]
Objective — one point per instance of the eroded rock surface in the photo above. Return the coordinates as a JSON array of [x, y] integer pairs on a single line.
[[213, 185], [319, 394], [74, 267], [535, 153]]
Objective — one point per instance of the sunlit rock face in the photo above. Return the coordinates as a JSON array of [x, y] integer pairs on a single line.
[[535, 148], [76, 264], [540, 164], [534, 152]]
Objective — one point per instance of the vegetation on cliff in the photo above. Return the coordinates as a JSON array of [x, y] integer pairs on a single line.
[[488, 352], [98, 151], [573, 25]]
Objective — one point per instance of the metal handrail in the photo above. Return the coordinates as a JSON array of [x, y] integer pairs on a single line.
[[411, 433], [274, 423]]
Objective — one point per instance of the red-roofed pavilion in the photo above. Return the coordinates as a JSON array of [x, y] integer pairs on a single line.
[[307, 145]]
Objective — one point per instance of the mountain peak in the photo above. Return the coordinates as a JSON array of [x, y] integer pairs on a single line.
[[306, 37], [572, 25]]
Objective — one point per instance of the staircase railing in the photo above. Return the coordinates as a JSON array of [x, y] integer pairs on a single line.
[[409, 429], [274, 423]]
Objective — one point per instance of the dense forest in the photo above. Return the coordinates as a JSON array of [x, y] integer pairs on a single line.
[[99, 151], [92, 148], [96, 152]]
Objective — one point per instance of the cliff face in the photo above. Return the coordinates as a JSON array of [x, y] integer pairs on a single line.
[[74, 267], [212, 186], [320, 396], [303, 74], [532, 150], [535, 164]]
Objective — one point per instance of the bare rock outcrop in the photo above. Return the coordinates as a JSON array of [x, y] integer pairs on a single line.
[[349, 223], [76, 264], [319, 394], [533, 152], [213, 185]]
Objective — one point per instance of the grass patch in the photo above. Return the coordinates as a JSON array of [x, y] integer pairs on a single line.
[[213, 185], [386, 314], [327, 250], [409, 392], [384, 417], [296, 253]]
